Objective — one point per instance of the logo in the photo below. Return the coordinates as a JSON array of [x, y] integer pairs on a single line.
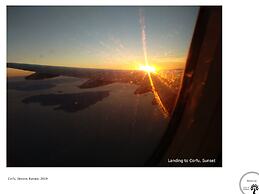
[[249, 183]]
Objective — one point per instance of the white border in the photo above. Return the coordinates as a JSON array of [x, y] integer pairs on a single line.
[[240, 120]]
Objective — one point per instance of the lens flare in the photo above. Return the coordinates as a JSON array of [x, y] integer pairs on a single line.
[[147, 68]]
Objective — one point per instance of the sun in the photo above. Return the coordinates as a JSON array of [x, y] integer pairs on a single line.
[[147, 68]]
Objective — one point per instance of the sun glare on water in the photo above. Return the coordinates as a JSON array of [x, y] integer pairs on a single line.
[[147, 68]]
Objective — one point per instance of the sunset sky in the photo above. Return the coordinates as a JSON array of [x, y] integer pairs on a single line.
[[100, 37]]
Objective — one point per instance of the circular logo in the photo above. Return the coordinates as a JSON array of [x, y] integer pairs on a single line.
[[249, 183]]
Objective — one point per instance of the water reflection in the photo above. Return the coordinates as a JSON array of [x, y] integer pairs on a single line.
[[68, 102], [23, 86], [20, 84]]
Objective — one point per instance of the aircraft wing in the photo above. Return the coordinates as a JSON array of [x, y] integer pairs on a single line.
[[95, 77], [53, 71]]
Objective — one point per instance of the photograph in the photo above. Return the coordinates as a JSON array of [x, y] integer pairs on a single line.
[[113, 86]]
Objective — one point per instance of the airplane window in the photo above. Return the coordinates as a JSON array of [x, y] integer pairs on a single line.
[[93, 86]]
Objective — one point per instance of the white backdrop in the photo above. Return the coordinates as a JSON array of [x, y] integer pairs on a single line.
[[240, 121]]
